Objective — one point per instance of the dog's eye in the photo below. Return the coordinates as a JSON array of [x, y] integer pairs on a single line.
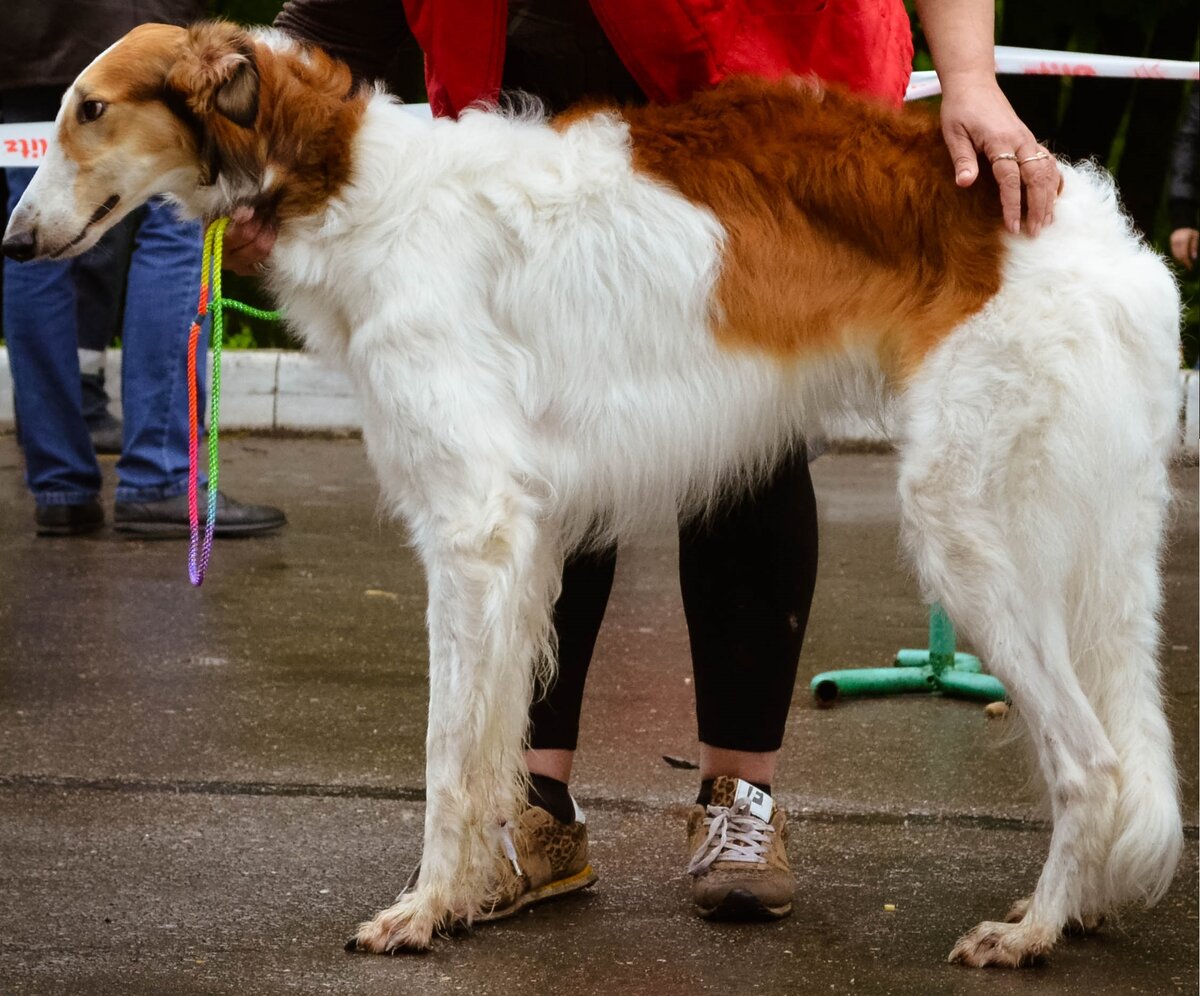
[[90, 110]]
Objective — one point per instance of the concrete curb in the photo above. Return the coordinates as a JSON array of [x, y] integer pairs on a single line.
[[270, 390], [263, 390]]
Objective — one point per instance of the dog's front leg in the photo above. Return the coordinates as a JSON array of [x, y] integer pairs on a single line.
[[492, 579]]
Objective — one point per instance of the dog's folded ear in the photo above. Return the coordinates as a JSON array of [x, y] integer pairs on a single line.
[[216, 73]]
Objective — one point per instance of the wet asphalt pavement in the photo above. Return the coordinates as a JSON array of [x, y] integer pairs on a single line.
[[203, 791]]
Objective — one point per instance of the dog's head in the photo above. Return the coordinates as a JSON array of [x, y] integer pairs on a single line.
[[157, 113]]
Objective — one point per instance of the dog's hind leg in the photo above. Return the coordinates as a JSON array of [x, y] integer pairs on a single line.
[[492, 574], [1114, 636], [993, 534], [1022, 632], [1080, 767]]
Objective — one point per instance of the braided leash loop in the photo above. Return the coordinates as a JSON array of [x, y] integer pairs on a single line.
[[211, 299]]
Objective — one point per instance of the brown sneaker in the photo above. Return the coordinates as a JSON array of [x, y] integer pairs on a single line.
[[541, 859], [738, 845]]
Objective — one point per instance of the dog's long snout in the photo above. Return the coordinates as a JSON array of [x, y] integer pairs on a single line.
[[20, 245]]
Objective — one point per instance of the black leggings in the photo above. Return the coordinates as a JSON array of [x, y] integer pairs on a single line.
[[747, 576], [747, 572]]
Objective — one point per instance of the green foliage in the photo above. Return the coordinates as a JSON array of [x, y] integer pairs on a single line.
[[246, 11]]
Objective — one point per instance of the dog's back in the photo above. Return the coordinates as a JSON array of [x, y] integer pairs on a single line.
[[843, 219]]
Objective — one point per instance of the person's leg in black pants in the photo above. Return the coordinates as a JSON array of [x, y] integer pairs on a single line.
[[747, 577]]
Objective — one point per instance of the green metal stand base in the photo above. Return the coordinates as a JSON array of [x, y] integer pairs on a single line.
[[938, 669]]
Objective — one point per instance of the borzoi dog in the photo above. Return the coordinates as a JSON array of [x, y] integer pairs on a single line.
[[560, 327]]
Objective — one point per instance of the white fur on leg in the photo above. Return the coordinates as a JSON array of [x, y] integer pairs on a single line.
[[492, 576], [1088, 923], [1033, 454]]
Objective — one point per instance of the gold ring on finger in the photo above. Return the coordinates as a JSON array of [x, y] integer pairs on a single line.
[[1012, 156], [1043, 154]]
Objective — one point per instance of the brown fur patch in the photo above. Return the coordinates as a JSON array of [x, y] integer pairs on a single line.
[[843, 218]]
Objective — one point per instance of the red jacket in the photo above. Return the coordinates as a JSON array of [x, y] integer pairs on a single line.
[[674, 47]]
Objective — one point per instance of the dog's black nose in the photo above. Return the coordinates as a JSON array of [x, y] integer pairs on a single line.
[[19, 245]]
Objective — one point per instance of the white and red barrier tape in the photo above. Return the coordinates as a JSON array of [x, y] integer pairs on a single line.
[[27, 144], [1041, 62]]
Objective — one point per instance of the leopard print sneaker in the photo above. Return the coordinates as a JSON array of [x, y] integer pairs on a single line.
[[541, 858], [738, 847]]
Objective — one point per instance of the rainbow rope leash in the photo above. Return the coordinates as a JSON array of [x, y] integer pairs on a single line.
[[210, 280]]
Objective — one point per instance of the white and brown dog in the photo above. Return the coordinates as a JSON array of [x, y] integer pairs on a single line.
[[560, 327]]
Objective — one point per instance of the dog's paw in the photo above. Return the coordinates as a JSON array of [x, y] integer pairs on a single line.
[[408, 926], [1084, 926], [1003, 945]]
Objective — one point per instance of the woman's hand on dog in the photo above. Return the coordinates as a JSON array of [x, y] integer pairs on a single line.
[[977, 119], [248, 242]]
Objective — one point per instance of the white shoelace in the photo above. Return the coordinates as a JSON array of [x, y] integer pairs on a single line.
[[734, 834], [510, 849]]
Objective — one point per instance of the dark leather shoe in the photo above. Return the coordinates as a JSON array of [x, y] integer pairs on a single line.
[[169, 517], [69, 520]]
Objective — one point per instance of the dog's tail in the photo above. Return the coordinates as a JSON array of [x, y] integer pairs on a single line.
[[1122, 649]]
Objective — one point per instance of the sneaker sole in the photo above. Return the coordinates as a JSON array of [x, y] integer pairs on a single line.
[[738, 904], [580, 880]]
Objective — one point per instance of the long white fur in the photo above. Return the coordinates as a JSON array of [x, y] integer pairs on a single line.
[[528, 321]]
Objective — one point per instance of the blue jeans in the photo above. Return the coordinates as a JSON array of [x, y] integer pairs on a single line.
[[153, 262]]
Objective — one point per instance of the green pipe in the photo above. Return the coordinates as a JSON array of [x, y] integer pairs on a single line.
[[971, 686], [831, 685], [920, 658], [938, 669], [941, 639], [968, 662]]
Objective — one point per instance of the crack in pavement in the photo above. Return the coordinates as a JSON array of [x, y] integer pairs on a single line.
[[860, 815]]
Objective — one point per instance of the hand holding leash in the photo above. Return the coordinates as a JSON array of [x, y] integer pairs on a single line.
[[248, 242]]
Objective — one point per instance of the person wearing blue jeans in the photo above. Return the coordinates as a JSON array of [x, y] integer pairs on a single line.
[[152, 261]]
